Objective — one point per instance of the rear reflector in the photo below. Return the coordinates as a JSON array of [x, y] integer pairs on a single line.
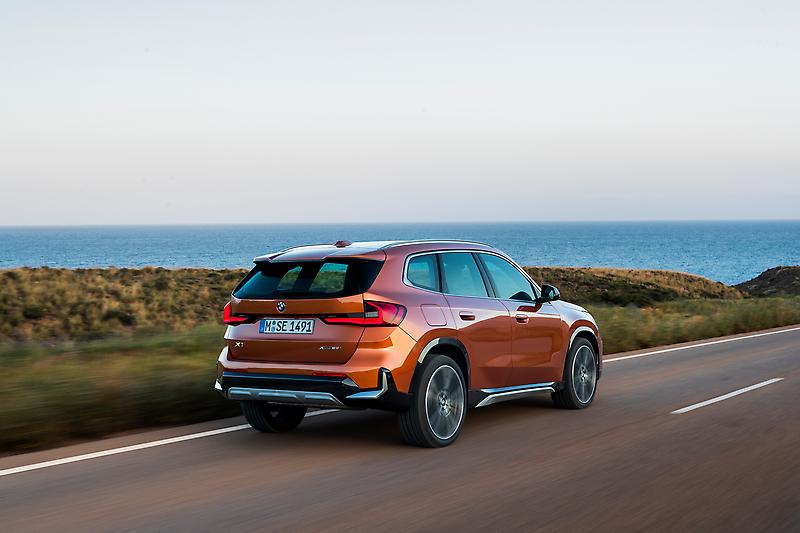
[[230, 319], [375, 314], [330, 374]]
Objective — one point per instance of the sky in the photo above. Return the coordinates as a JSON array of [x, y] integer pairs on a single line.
[[378, 111]]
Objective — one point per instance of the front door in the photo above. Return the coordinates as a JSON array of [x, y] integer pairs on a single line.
[[536, 328]]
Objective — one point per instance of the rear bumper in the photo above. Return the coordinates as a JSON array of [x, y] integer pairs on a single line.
[[312, 391]]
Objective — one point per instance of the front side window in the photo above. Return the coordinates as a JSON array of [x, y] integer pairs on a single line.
[[422, 272], [509, 283], [461, 276]]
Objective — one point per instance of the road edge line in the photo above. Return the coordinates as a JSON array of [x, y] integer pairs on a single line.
[[135, 447], [699, 345]]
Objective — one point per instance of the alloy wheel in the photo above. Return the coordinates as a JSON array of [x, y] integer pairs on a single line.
[[444, 402], [584, 374]]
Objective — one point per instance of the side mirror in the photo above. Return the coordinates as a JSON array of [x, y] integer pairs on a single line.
[[549, 294]]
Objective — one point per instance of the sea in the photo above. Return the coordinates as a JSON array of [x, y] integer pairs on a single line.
[[730, 252]]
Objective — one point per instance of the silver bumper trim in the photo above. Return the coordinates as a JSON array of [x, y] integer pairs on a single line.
[[511, 393], [293, 397], [372, 394]]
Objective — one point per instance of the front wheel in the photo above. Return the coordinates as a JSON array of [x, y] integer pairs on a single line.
[[580, 377], [269, 418], [438, 405]]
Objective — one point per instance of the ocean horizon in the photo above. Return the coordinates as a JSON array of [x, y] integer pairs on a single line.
[[726, 251]]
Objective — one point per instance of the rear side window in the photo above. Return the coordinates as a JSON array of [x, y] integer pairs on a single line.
[[509, 283], [461, 276], [422, 272], [308, 279]]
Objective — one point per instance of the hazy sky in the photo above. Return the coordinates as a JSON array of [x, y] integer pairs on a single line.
[[197, 111]]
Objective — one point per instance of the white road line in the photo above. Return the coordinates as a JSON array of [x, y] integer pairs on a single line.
[[709, 343], [135, 447], [725, 396]]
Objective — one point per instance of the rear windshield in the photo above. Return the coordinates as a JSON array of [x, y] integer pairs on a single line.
[[308, 279]]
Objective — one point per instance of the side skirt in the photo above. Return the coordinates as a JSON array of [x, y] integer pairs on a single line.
[[484, 397]]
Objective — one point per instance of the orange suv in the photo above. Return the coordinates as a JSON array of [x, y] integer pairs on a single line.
[[423, 328]]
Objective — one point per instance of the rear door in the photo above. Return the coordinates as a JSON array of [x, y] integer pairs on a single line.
[[286, 304], [537, 335], [484, 324]]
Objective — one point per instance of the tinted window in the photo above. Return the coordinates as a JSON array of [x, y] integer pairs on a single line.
[[288, 280], [308, 279], [422, 272], [509, 283], [461, 275], [330, 278]]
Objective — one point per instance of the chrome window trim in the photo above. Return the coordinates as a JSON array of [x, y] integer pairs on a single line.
[[407, 282]]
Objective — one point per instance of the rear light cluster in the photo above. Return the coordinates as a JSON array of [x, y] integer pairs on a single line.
[[232, 319], [375, 314]]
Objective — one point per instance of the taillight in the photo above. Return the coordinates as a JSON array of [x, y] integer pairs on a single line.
[[231, 319], [375, 314]]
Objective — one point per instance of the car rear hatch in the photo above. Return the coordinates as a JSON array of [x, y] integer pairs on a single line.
[[300, 310]]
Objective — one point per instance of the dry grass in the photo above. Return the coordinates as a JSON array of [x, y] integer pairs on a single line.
[[46, 304]]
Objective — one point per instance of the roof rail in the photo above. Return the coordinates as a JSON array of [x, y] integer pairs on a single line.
[[432, 241]]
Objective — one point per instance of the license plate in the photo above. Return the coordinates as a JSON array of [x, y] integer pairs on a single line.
[[287, 326]]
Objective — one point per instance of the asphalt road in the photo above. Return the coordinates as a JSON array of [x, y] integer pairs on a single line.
[[628, 463]]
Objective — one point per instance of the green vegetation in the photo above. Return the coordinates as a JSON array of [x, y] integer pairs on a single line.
[[633, 328], [93, 352], [95, 388]]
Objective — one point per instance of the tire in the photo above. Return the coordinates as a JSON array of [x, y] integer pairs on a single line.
[[438, 405], [579, 384], [269, 418]]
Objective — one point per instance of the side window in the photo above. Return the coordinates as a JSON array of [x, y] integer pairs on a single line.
[[509, 283], [461, 276], [422, 272]]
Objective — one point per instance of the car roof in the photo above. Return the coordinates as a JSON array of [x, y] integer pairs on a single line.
[[366, 249]]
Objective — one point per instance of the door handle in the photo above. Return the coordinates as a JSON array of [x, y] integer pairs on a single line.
[[466, 316], [521, 318]]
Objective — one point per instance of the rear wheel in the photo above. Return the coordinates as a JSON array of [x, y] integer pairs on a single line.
[[438, 405], [270, 418], [580, 377]]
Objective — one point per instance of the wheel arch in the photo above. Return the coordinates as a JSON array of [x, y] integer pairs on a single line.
[[452, 348], [585, 332]]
